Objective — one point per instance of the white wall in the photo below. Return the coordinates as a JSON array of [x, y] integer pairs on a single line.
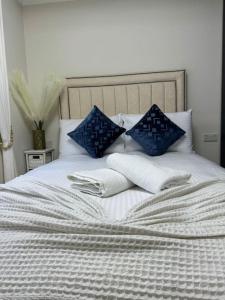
[[16, 59], [94, 37]]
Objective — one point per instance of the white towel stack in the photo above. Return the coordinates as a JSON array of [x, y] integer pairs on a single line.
[[100, 182]]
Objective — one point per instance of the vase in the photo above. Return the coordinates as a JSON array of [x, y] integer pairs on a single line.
[[39, 139]]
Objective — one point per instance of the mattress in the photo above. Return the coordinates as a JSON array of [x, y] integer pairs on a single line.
[[117, 206]]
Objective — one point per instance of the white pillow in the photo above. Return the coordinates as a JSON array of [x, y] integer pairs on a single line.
[[66, 145], [182, 119], [69, 147]]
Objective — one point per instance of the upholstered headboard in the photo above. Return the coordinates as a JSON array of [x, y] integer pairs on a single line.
[[132, 94]]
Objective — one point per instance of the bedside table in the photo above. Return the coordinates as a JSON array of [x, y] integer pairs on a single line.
[[37, 158]]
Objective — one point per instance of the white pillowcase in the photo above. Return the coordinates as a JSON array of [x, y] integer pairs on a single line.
[[182, 119], [66, 145], [69, 147]]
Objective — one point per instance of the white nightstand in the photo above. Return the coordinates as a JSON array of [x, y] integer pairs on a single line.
[[37, 158]]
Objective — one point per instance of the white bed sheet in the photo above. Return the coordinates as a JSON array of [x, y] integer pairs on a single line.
[[117, 206]]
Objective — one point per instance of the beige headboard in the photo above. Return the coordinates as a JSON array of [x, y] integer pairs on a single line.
[[132, 94]]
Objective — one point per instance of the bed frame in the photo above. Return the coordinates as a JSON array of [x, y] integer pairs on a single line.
[[133, 94]]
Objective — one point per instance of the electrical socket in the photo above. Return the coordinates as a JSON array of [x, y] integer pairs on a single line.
[[210, 137]]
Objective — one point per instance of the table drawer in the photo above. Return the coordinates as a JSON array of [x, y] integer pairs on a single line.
[[35, 160]]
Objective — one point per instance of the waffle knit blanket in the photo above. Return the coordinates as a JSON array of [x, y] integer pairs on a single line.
[[55, 244]]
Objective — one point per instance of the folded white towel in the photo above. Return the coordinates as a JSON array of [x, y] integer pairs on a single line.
[[145, 173], [100, 182]]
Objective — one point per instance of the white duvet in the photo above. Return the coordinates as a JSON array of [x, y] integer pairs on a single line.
[[117, 206]]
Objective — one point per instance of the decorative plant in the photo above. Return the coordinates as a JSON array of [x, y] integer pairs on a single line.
[[35, 112]]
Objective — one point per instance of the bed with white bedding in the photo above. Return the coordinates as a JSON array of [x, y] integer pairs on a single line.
[[58, 243], [118, 205]]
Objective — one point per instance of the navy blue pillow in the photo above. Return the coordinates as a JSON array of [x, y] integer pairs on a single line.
[[96, 133], [155, 132]]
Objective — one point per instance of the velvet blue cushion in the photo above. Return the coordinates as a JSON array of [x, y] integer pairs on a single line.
[[96, 133], [155, 132]]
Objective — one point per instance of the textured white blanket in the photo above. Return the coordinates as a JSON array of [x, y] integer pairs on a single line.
[[146, 173], [55, 244], [100, 182]]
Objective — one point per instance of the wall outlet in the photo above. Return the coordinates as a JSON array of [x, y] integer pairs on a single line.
[[210, 137]]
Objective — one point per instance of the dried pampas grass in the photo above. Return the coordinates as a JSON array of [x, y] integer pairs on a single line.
[[36, 113]]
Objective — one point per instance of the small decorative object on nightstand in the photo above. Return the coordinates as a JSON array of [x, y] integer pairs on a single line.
[[37, 158]]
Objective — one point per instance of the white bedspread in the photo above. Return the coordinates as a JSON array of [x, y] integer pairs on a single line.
[[117, 206], [101, 182], [145, 173], [55, 244]]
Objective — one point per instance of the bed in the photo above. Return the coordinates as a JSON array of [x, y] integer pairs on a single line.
[[57, 243]]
